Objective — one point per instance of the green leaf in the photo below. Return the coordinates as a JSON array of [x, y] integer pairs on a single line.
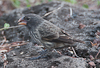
[[98, 2], [27, 1], [16, 3], [28, 5], [71, 1], [6, 25], [85, 6], [49, 0], [42, 1]]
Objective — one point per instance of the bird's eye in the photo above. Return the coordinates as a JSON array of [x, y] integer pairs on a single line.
[[28, 18]]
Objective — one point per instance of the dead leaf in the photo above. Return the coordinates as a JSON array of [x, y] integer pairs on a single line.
[[81, 26], [93, 44], [92, 64]]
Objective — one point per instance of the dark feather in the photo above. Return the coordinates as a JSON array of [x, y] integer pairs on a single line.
[[49, 38], [63, 38]]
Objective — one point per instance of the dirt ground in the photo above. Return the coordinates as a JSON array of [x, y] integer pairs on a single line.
[[71, 23]]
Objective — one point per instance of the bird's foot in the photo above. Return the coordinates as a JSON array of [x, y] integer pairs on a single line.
[[54, 50], [46, 54], [38, 57], [43, 52], [42, 55]]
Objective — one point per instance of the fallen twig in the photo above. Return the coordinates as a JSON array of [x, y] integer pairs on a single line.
[[53, 10], [5, 40], [10, 27], [8, 47], [74, 52], [4, 57], [97, 54], [71, 12]]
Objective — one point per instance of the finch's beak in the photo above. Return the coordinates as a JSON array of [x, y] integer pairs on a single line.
[[21, 21]]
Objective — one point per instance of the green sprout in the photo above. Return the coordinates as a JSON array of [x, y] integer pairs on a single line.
[[85, 6], [16, 3], [6, 25], [98, 2], [28, 3], [71, 1]]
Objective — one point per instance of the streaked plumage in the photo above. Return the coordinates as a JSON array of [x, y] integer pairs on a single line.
[[46, 33]]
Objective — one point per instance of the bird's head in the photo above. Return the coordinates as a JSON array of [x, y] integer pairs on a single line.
[[31, 21]]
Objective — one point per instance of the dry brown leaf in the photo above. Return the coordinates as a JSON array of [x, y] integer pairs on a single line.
[[81, 26], [92, 64], [93, 44]]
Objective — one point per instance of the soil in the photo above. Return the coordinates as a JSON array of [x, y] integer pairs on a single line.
[[18, 58]]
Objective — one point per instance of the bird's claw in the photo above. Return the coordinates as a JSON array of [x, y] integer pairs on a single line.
[[43, 52], [38, 57]]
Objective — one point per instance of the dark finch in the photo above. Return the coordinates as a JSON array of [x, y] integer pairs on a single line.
[[46, 33]]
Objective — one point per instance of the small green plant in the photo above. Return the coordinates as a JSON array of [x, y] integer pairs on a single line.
[[71, 1], [85, 6], [42, 1], [6, 25], [98, 2], [28, 3], [49, 0], [16, 3]]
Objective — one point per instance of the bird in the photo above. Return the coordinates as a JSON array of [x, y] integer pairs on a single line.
[[46, 33]]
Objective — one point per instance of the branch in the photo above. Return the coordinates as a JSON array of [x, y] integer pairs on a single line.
[[10, 27]]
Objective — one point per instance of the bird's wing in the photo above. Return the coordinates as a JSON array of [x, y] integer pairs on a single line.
[[62, 37], [48, 31], [66, 38], [54, 34]]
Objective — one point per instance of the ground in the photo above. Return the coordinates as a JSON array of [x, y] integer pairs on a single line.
[[18, 58]]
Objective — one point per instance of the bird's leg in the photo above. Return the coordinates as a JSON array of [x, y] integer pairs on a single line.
[[43, 54], [54, 50], [38, 57]]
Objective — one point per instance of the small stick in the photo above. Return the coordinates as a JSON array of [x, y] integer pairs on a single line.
[[5, 60], [74, 52], [97, 54], [4, 41], [53, 10], [10, 27], [71, 12]]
